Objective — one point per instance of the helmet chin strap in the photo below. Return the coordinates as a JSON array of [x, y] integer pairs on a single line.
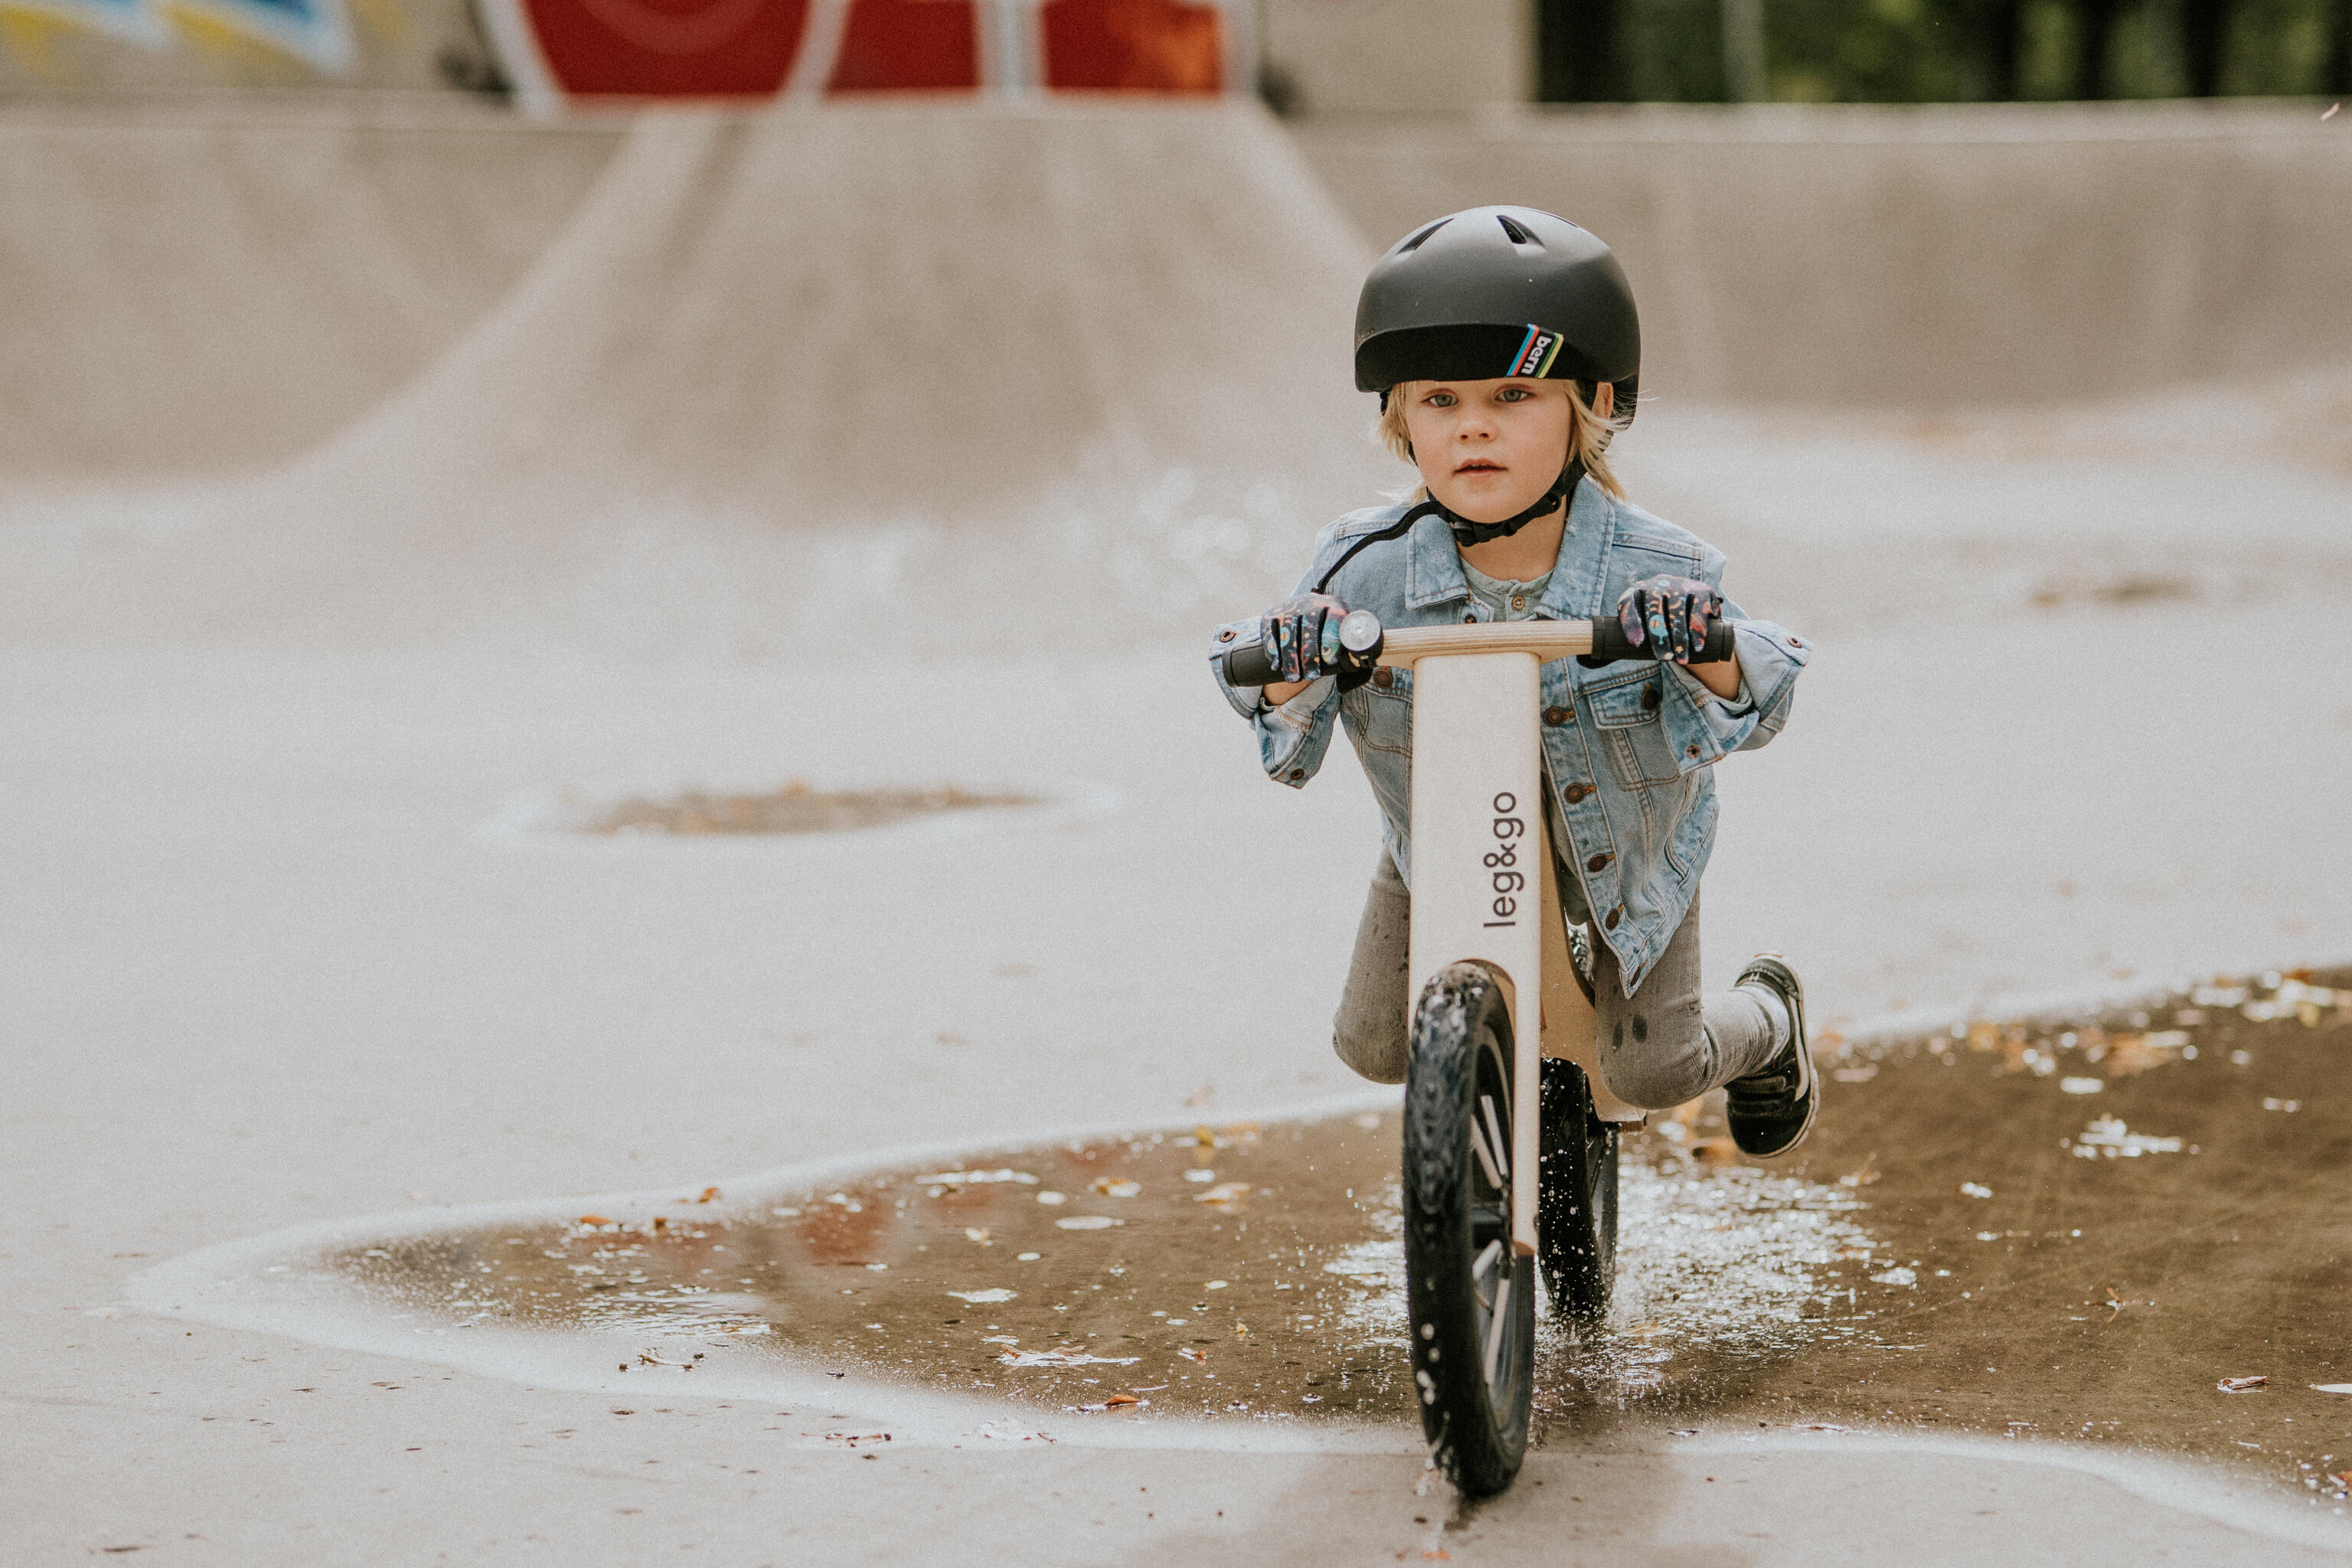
[[1464, 531], [1467, 532]]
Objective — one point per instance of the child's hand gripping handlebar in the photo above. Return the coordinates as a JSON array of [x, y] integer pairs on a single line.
[[1363, 642]]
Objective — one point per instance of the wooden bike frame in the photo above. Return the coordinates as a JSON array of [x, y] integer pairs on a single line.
[[1483, 886]]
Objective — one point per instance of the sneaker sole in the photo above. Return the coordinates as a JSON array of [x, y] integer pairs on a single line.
[[1808, 1076]]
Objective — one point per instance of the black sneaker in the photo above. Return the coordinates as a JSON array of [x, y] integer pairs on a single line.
[[1772, 1111]]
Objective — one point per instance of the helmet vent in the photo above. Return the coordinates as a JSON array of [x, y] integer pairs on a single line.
[[1518, 236], [1416, 241]]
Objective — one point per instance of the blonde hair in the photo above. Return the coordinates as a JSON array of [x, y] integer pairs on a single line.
[[1588, 434]]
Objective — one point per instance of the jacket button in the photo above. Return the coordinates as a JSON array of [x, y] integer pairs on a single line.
[[1611, 921], [1650, 697], [1555, 716], [1595, 864], [1576, 793], [1384, 677]]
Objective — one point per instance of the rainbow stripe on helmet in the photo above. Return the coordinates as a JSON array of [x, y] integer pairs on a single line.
[[1536, 351]]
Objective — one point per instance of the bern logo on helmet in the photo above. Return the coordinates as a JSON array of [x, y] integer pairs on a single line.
[[1536, 351]]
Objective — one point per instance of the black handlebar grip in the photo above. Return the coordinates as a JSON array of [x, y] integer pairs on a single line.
[[1610, 644], [1248, 666]]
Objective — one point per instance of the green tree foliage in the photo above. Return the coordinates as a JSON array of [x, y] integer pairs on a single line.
[[1929, 51]]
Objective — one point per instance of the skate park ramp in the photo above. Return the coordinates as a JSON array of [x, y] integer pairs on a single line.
[[777, 363], [209, 282], [1938, 258]]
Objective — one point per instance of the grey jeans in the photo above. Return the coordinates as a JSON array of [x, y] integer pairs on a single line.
[[1665, 1045]]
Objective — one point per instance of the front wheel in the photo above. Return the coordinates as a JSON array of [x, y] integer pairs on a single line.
[[1471, 1299]]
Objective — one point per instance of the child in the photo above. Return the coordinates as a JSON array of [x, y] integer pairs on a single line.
[[1505, 349]]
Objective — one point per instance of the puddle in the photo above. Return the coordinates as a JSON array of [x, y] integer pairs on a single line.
[[2069, 1234], [794, 808]]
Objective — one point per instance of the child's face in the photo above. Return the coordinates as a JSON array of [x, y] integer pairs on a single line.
[[1489, 449]]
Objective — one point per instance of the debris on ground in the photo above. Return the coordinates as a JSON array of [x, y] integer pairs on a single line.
[[974, 1179], [1062, 1358], [2108, 1138], [2242, 1384], [983, 1298]]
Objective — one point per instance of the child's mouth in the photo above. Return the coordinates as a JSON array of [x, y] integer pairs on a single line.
[[1479, 467]]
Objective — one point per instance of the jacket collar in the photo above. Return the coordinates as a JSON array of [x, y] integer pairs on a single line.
[[1579, 578], [1433, 570]]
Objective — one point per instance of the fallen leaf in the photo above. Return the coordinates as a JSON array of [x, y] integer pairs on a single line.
[[1224, 1195], [709, 1194], [979, 1233], [1061, 1358], [593, 1219], [2241, 1384], [1117, 1400], [1117, 1187], [1189, 1353]]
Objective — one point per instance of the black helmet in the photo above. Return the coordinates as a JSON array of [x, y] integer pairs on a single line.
[[1494, 292]]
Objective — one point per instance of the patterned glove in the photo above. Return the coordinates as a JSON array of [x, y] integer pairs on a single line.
[[1301, 637], [1669, 614]]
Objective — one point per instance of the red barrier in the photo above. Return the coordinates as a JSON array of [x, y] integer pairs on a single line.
[[562, 51], [908, 46], [668, 48], [1133, 45]]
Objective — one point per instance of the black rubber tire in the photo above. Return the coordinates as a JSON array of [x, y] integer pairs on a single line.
[[1576, 1206], [1455, 1218]]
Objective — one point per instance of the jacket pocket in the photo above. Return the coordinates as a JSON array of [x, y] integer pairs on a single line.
[[1693, 839], [1382, 715], [1625, 715]]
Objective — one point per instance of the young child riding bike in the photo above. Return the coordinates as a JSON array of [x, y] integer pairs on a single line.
[[1505, 349]]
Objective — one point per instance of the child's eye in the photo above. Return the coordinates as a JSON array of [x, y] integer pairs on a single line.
[[1514, 394], [1440, 400]]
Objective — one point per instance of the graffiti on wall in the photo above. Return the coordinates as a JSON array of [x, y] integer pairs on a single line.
[[565, 51], [315, 32]]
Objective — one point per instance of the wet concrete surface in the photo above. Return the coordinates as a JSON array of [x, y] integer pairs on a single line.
[[2069, 1230]]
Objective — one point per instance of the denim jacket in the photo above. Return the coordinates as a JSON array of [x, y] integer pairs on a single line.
[[1627, 748]]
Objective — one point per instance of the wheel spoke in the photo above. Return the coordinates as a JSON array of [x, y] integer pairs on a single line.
[[1497, 1325], [1478, 1147], [1495, 1131]]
